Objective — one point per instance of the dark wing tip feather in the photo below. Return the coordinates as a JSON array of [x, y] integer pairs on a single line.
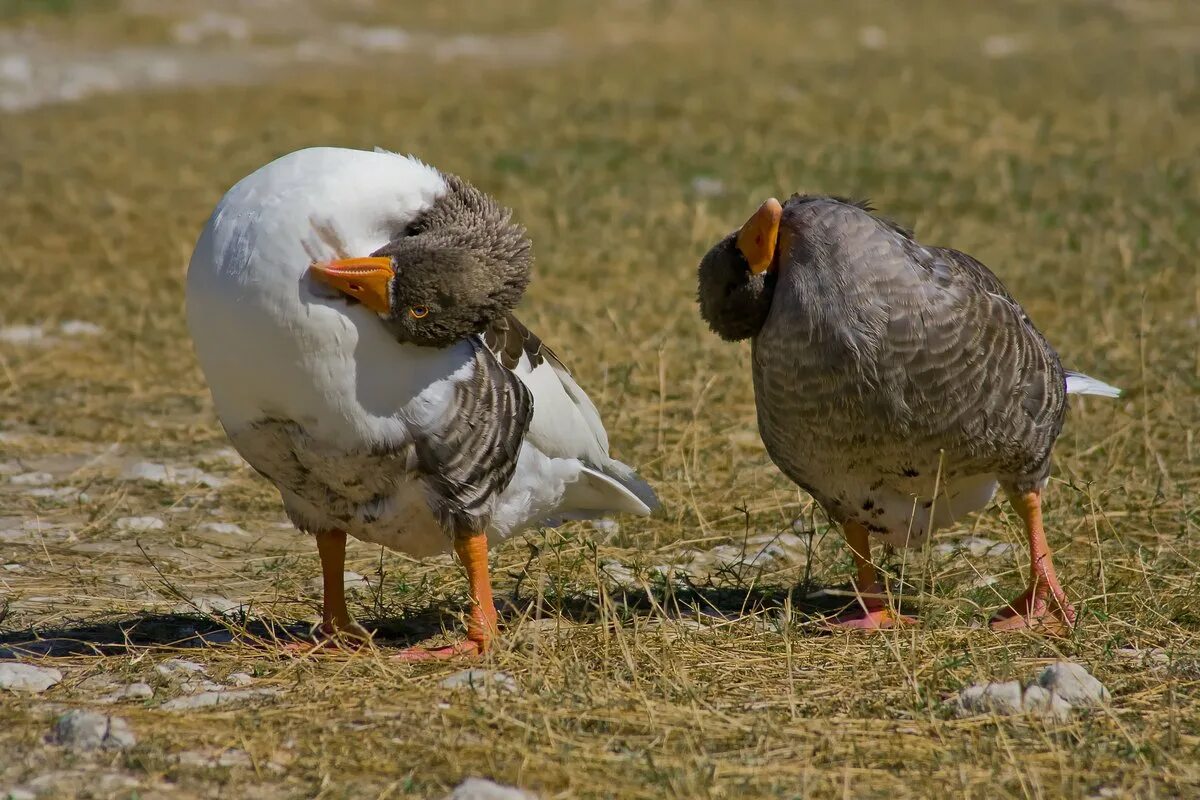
[[507, 337]]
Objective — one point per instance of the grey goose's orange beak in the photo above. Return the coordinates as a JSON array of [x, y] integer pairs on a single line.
[[758, 236], [364, 279]]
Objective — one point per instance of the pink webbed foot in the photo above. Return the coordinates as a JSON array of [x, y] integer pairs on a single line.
[[1042, 608]]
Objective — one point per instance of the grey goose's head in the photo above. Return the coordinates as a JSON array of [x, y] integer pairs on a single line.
[[459, 265], [737, 276]]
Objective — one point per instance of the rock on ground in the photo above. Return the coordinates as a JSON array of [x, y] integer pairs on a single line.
[[178, 669], [136, 691], [89, 730], [482, 681], [1010, 698], [976, 546], [483, 789], [171, 476], [27, 677], [1074, 684], [226, 758], [240, 679], [219, 698], [140, 524], [213, 604]]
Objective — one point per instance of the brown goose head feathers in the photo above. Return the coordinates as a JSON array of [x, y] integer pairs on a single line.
[[737, 276], [457, 267]]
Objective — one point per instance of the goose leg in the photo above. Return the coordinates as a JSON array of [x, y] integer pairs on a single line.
[[482, 622], [1043, 606], [338, 627], [871, 611]]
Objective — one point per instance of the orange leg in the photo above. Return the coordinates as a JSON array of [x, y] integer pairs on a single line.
[[1043, 606], [338, 627], [482, 622], [872, 611]]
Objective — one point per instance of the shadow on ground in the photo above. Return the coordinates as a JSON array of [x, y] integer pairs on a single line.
[[174, 631]]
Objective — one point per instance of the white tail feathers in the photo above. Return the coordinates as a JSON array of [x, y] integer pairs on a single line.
[[633, 482], [1078, 383], [596, 492]]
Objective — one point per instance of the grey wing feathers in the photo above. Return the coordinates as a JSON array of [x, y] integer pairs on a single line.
[[975, 353], [508, 338], [473, 459]]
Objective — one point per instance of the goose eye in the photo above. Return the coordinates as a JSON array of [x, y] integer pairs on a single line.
[[418, 312]]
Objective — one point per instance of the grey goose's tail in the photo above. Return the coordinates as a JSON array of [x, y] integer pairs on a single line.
[[1078, 383]]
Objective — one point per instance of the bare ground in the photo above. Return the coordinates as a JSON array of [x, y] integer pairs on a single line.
[[677, 656]]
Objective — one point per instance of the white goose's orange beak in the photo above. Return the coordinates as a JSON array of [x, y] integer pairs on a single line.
[[364, 279], [758, 236]]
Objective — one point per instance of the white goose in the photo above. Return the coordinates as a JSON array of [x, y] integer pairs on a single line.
[[351, 312]]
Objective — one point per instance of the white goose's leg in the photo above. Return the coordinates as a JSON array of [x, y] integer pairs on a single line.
[[338, 627], [482, 622]]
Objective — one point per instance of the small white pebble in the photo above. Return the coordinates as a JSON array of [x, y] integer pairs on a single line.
[[482, 681], [89, 730], [32, 479], [706, 186], [22, 334], [1039, 701], [1073, 683], [137, 691], [239, 679], [210, 604], [618, 573], [991, 698], [140, 524], [1001, 46], [19, 677], [171, 476], [197, 685], [216, 698], [872, 37], [179, 668], [483, 789], [223, 528], [78, 327]]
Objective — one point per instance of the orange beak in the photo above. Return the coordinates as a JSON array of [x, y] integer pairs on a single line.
[[364, 279], [758, 236]]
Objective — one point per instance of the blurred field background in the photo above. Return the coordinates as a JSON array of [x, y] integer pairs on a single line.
[[671, 657]]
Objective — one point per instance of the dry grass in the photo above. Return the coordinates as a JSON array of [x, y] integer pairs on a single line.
[[1069, 166]]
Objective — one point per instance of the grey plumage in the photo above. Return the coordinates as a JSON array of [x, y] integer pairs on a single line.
[[885, 368], [472, 457], [463, 260]]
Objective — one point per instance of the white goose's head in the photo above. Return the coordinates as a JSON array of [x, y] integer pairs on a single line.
[[458, 265]]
